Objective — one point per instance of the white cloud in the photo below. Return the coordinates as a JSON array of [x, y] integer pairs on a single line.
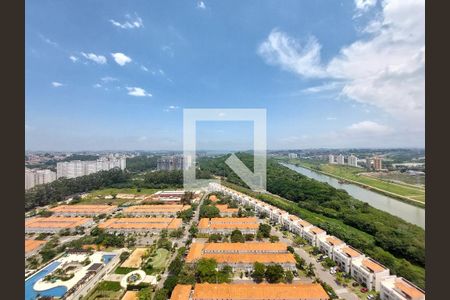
[[97, 85], [120, 58], [144, 68], [384, 69], [171, 108], [108, 79], [57, 84], [138, 92], [99, 59], [73, 58], [201, 5], [368, 127], [365, 4], [281, 50], [131, 23], [48, 41]]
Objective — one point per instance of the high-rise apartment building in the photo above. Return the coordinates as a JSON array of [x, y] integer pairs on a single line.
[[170, 163], [36, 177], [76, 168], [377, 165], [352, 161], [340, 160], [331, 159], [292, 155]]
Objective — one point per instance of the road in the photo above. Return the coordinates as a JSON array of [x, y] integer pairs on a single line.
[[320, 271]]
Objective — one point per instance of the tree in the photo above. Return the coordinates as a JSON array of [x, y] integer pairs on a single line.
[[124, 255], [290, 249], [161, 294], [176, 233], [237, 236], [164, 233], [214, 238], [264, 229], [175, 266], [209, 211], [186, 215], [164, 243], [259, 271], [310, 270], [274, 273], [193, 230], [170, 283], [298, 241], [274, 238], [206, 270], [249, 237], [289, 276]]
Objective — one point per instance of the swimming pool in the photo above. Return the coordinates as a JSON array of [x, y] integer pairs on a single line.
[[107, 258], [31, 294]]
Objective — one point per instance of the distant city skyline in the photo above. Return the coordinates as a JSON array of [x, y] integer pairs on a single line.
[[116, 76]]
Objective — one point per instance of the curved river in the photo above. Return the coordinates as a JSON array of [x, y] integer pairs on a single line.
[[407, 212]]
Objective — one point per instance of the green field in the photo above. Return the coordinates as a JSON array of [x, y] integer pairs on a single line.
[[398, 190], [159, 261], [92, 197], [106, 290]]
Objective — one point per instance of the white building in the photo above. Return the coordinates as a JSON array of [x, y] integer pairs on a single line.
[[331, 159], [313, 234], [292, 155], [76, 168], [395, 288], [344, 257], [36, 177], [369, 273], [340, 160], [352, 161], [328, 243]]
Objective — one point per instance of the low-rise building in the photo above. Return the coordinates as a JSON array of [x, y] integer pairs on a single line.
[[312, 235], [155, 210], [242, 256], [226, 211], [226, 225], [344, 256], [82, 210], [140, 225], [397, 288], [369, 273], [54, 224], [249, 291], [328, 243], [167, 197], [33, 246]]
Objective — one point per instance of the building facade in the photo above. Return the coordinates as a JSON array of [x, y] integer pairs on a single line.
[[36, 177], [352, 161], [77, 168], [340, 159]]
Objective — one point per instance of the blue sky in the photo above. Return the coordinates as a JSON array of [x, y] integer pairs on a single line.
[[116, 75]]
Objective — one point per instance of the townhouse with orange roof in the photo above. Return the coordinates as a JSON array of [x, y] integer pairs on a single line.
[[248, 225], [90, 210], [369, 273], [328, 243], [344, 257], [397, 288], [262, 291], [55, 224], [312, 235], [140, 225]]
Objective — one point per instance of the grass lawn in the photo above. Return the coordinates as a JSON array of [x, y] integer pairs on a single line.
[[92, 196], [106, 290], [121, 270], [159, 261]]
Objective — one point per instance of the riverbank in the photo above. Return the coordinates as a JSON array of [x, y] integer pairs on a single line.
[[402, 198]]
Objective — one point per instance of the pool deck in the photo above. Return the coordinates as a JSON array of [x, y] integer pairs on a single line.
[[96, 257]]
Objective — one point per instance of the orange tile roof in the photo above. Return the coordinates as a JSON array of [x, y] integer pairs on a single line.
[[31, 245], [213, 198], [223, 208], [373, 266], [181, 292], [164, 208], [245, 247], [141, 223], [293, 218], [303, 223], [229, 223], [351, 252], [130, 295], [56, 222], [334, 241], [263, 291], [234, 220], [241, 252], [83, 209], [409, 289], [317, 230], [203, 224]]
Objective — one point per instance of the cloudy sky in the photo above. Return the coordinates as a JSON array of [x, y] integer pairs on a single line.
[[107, 75]]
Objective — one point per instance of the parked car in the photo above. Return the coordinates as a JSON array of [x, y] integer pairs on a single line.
[[364, 290]]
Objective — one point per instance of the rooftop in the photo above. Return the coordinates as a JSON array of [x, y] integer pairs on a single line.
[[334, 241], [155, 208], [31, 245], [229, 223], [223, 208], [259, 291], [141, 223], [350, 252], [316, 230], [56, 222], [181, 292], [83, 209], [408, 289], [372, 265]]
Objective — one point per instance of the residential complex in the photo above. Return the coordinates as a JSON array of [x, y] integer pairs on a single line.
[[331, 159], [35, 177], [170, 163], [155, 210], [262, 291], [55, 224], [242, 256], [340, 159], [76, 168], [82, 210], [352, 161], [292, 155], [227, 225], [226, 211], [365, 270], [140, 225], [377, 163], [397, 288], [167, 197]]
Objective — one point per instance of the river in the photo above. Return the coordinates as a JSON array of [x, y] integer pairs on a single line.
[[408, 212]]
